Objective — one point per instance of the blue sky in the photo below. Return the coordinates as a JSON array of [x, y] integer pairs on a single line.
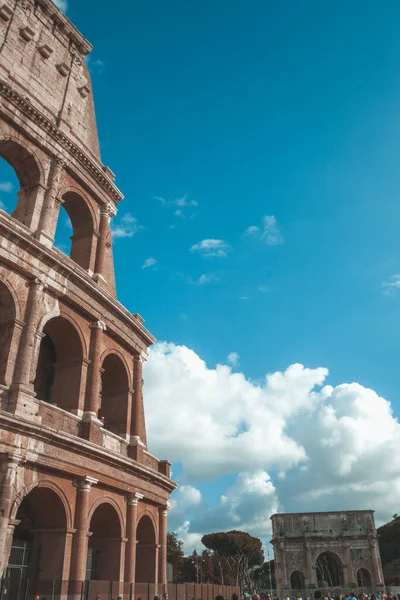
[[214, 116]]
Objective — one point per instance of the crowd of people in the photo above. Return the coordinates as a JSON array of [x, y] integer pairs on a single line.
[[320, 595]]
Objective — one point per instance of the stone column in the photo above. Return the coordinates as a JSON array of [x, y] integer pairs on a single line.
[[45, 232], [349, 573], [7, 493], [309, 571], [21, 387], [162, 557], [106, 212], [80, 542], [27, 341], [130, 552], [94, 375], [137, 398]]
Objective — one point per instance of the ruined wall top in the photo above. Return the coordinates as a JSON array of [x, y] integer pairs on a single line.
[[324, 524], [42, 59]]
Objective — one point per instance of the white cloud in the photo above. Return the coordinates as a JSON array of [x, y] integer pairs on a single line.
[[6, 186], [389, 288], [268, 233], [233, 358], [263, 288], [330, 448], [149, 262], [210, 247], [2, 205], [62, 4], [204, 279], [183, 206], [126, 227]]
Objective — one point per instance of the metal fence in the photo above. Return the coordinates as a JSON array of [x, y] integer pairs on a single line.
[[24, 589]]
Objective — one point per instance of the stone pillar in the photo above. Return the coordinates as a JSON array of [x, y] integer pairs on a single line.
[[7, 493], [309, 570], [106, 212], [349, 572], [22, 386], [45, 232], [80, 542], [162, 557], [137, 405], [130, 556], [377, 563], [93, 388]]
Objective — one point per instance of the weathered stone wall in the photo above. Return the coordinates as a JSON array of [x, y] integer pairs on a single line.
[[346, 540]]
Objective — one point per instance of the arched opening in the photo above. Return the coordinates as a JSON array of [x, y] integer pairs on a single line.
[[297, 580], [329, 570], [18, 171], [80, 220], [38, 544], [104, 549], [59, 369], [364, 578], [114, 395], [7, 322], [145, 551]]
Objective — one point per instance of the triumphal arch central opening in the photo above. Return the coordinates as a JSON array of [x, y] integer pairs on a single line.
[[81, 498]]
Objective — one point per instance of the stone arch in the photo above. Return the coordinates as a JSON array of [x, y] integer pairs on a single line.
[[104, 547], [146, 536], [59, 368], [45, 483], [27, 166], [329, 568], [11, 289], [30, 174], [364, 579], [115, 393], [297, 581], [9, 311], [84, 225], [39, 539], [114, 504]]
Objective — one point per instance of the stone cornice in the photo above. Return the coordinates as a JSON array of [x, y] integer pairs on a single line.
[[51, 128], [68, 269], [65, 26], [88, 449]]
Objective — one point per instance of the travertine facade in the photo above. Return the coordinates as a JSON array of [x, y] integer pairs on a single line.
[[327, 549], [78, 490]]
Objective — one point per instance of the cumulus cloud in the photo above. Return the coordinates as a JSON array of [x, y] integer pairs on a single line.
[[62, 4], [269, 231], [149, 262], [233, 358], [183, 205], [126, 227], [210, 248], [292, 442]]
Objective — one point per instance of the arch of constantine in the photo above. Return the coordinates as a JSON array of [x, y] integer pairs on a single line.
[[81, 498], [326, 550]]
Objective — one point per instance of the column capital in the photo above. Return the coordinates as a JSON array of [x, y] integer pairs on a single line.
[[38, 282], [164, 509], [58, 161], [85, 483], [140, 358], [98, 325], [108, 210], [134, 498]]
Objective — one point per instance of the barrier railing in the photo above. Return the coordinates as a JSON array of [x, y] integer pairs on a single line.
[[19, 588]]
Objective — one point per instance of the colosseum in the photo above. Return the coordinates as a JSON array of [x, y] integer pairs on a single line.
[[81, 498]]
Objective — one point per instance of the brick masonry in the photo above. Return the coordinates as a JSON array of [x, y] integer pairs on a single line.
[[76, 477]]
